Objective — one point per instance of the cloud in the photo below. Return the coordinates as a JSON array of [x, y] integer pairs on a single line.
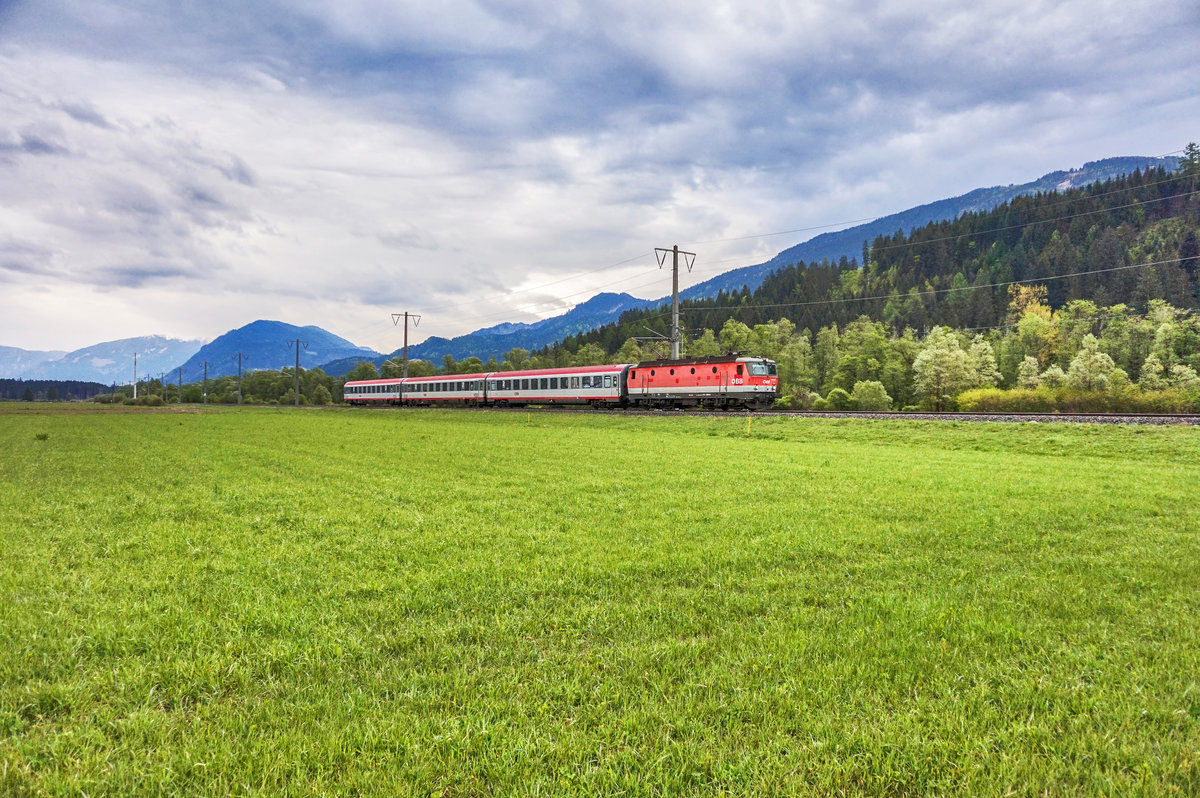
[[83, 112], [347, 160]]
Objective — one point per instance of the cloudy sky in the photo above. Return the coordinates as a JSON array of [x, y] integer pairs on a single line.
[[184, 168]]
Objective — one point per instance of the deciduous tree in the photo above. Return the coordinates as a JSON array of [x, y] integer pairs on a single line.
[[942, 370]]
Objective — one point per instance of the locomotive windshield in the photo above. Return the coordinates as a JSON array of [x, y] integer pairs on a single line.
[[762, 369]]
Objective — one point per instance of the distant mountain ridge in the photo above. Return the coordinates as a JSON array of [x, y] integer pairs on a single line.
[[265, 344], [495, 341], [849, 242], [108, 363]]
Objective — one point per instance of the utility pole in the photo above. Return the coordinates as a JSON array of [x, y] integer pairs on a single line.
[[181, 385], [238, 358], [135, 354], [204, 395], [691, 259], [297, 342], [395, 321]]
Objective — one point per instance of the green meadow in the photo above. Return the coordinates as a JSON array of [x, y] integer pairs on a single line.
[[274, 601]]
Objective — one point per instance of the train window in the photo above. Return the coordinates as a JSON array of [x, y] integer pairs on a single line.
[[651, 372], [714, 369], [758, 369], [739, 369], [545, 383], [608, 382], [554, 383], [525, 385], [633, 374], [672, 372]]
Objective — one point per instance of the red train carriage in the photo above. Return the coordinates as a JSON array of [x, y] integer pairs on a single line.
[[595, 385], [712, 382]]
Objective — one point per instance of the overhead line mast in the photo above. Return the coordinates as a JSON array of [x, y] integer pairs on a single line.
[[298, 343], [661, 254], [395, 322]]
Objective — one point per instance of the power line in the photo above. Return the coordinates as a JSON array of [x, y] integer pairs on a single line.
[[934, 291], [1138, 203]]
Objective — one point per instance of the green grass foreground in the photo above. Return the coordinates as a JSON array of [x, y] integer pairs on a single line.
[[271, 601]]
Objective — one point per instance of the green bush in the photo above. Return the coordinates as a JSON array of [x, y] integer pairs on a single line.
[[1016, 400], [839, 399], [1074, 400], [871, 395]]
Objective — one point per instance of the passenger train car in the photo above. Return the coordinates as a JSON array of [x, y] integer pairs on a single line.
[[718, 382]]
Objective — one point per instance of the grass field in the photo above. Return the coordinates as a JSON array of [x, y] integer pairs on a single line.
[[471, 603]]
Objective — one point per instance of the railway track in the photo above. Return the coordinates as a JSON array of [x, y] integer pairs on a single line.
[[1045, 418]]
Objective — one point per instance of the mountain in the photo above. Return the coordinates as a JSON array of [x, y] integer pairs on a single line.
[[495, 341], [848, 243], [110, 362], [16, 363], [271, 345]]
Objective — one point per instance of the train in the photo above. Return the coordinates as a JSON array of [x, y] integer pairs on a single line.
[[720, 382]]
